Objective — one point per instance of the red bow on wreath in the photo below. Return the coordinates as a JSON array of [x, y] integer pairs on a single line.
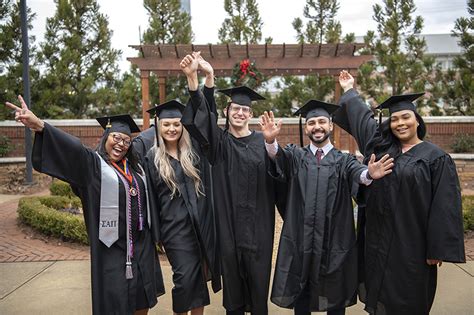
[[244, 65]]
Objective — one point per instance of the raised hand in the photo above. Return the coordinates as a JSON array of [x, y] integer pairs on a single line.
[[26, 116], [380, 168], [207, 69], [203, 64], [189, 65], [346, 80], [270, 130]]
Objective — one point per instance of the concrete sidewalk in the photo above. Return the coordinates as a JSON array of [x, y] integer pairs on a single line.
[[63, 287]]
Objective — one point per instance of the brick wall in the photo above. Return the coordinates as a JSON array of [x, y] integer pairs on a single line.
[[441, 131]]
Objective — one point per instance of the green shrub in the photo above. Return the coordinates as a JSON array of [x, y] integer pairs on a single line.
[[468, 212], [5, 146], [60, 202], [60, 188], [34, 211], [463, 143]]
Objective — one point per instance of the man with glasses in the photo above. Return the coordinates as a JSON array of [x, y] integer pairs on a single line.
[[244, 193]]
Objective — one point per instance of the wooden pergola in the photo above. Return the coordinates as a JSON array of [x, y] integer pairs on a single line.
[[271, 60]]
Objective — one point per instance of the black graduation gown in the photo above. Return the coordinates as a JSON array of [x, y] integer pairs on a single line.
[[61, 155], [411, 215], [244, 198], [143, 143], [187, 232], [318, 241]]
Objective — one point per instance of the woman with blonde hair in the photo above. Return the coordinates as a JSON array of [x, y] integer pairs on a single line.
[[178, 175]]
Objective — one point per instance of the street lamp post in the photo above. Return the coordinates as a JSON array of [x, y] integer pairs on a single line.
[[26, 87]]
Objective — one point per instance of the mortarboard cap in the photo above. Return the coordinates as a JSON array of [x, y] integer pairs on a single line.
[[397, 103], [315, 108], [119, 123], [170, 109], [242, 95]]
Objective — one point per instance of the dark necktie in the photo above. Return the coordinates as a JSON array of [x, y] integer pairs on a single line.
[[319, 154]]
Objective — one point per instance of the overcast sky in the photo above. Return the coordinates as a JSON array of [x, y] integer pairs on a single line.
[[127, 16]]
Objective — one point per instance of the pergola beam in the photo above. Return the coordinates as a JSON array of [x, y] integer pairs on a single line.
[[271, 59], [268, 66]]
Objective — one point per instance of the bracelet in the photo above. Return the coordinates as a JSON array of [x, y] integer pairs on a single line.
[[367, 175]]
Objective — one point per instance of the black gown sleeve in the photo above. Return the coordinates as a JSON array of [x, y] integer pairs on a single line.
[[210, 99], [142, 143], [201, 123], [63, 156], [353, 169], [285, 163], [445, 236], [357, 119]]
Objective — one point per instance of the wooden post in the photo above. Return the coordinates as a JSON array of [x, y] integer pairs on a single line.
[[162, 89], [145, 77], [337, 130]]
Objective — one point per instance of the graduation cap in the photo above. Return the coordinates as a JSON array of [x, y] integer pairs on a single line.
[[397, 103], [314, 108], [119, 123], [242, 95], [170, 109]]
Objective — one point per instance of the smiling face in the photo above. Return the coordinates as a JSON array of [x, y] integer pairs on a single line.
[[404, 126], [318, 129], [239, 115], [171, 130], [117, 145]]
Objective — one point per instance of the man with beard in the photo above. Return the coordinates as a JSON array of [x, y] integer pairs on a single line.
[[316, 268]]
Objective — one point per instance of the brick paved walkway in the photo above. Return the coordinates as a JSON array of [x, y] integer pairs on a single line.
[[16, 246]]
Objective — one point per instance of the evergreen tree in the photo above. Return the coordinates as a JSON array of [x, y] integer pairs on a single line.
[[321, 27], [168, 24], [321, 24], [401, 65], [455, 87], [11, 62], [296, 91], [243, 24], [80, 65]]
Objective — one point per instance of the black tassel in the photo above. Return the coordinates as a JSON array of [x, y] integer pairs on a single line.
[[156, 132], [227, 118]]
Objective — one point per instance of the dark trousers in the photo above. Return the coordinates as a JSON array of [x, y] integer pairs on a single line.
[[301, 306]]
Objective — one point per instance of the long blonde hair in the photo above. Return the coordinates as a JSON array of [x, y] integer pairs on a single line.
[[186, 157]]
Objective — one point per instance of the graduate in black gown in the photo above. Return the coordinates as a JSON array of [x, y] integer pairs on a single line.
[[146, 139], [316, 268], [178, 175], [244, 193], [125, 270], [413, 218]]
